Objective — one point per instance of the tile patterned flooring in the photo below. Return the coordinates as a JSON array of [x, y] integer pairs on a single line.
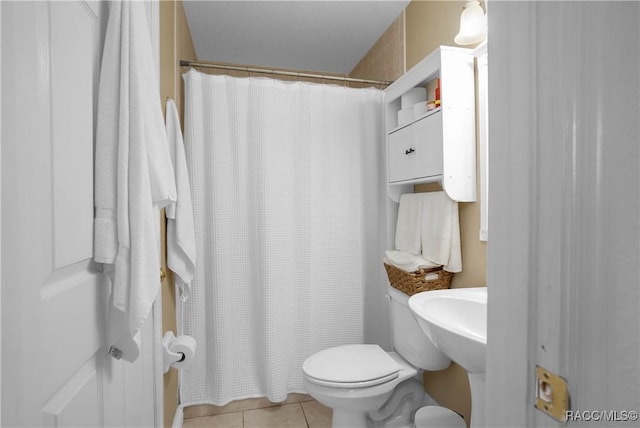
[[298, 411]]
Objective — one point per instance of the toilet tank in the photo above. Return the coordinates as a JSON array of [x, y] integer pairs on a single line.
[[408, 338]]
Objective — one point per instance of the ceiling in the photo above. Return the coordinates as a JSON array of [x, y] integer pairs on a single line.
[[324, 36]]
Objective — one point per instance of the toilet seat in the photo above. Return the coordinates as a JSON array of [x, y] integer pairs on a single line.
[[351, 366]]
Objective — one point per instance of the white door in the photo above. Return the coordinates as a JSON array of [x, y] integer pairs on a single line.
[[563, 257], [54, 366]]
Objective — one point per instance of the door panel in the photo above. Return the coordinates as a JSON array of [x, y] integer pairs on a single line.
[[73, 78], [77, 403], [72, 332]]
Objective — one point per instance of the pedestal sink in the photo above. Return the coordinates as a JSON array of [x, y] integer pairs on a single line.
[[455, 320]]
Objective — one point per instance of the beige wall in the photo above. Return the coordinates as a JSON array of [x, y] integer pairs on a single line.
[[175, 44], [385, 60], [425, 25], [430, 24]]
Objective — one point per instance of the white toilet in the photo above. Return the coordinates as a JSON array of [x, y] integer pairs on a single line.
[[369, 387]]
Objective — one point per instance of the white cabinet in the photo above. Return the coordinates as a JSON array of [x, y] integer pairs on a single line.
[[438, 146], [415, 151]]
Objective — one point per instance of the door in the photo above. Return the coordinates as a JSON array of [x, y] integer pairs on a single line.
[[55, 371], [427, 138], [563, 257]]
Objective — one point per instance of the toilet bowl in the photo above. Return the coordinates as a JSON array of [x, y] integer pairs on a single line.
[[349, 397], [369, 387]]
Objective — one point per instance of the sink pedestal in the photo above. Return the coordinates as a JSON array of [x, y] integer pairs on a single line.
[[456, 322], [477, 384]]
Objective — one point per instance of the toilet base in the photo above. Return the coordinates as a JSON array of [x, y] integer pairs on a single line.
[[400, 408], [436, 416], [397, 412], [425, 417], [342, 419]]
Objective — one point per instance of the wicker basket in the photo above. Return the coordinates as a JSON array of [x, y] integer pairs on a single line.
[[415, 282]]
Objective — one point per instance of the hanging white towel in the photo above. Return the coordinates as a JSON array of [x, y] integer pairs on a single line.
[[181, 236], [408, 226], [441, 231], [133, 175]]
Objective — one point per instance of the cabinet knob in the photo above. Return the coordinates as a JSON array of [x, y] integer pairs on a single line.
[[408, 152]]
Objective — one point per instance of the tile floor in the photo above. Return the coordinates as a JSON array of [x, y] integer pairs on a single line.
[[298, 411]]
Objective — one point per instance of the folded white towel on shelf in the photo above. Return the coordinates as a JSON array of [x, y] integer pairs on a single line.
[[406, 261], [181, 236], [408, 227], [133, 175], [440, 234]]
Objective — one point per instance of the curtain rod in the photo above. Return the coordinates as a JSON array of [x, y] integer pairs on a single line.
[[184, 63]]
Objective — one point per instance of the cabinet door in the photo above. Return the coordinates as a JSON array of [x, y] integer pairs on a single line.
[[402, 155], [426, 135], [415, 151]]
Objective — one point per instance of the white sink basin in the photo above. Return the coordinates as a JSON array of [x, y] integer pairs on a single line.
[[455, 320]]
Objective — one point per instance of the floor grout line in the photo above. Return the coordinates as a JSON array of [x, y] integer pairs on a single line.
[[307, 422], [220, 409], [305, 415]]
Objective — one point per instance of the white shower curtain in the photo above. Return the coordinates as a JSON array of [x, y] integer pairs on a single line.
[[288, 197]]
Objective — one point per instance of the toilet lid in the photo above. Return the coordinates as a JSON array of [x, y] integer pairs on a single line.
[[351, 366]]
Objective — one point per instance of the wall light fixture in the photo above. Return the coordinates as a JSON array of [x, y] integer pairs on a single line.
[[473, 24]]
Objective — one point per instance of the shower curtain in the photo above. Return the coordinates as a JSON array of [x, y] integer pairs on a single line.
[[288, 195]]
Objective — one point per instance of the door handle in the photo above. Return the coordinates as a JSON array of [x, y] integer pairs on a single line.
[[408, 152]]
